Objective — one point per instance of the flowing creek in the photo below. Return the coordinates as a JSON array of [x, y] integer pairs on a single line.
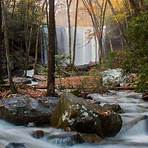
[[134, 133]]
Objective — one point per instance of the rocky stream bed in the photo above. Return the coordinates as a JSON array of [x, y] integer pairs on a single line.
[[114, 119]]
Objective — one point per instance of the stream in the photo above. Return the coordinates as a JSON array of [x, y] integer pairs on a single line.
[[134, 133]]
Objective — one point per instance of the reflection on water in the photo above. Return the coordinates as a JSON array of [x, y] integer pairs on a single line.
[[134, 133]]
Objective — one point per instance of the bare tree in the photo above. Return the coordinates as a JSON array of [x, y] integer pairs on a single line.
[[98, 21]]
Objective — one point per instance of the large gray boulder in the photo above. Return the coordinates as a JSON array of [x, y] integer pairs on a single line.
[[24, 109], [16, 145], [82, 116]]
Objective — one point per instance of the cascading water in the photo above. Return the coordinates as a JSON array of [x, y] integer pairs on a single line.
[[86, 50], [134, 133]]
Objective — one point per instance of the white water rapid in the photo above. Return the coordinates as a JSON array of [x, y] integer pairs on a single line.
[[134, 133]]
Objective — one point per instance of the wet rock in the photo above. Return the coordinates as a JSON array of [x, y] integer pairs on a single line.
[[114, 108], [40, 77], [65, 138], [31, 124], [21, 80], [91, 138], [111, 125], [89, 97], [85, 117], [93, 101], [145, 96], [38, 134], [85, 125], [24, 110], [16, 145]]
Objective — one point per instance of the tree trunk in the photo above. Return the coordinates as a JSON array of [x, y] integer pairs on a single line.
[[28, 35], [96, 26], [36, 49], [141, 4], [1, 34], [1, 54], [68, 3], [118, 22], [0, 23], [29, 47], [133, 7], [6, 45], [51, 50], [102, 29], [111, 45], [75, 33]]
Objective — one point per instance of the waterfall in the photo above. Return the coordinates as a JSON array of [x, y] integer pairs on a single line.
[[86, 50]]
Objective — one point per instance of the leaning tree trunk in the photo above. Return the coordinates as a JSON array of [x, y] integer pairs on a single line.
[[51, 50], [6, 45]]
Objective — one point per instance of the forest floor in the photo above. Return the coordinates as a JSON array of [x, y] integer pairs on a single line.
[[39, 89], [79, 83]]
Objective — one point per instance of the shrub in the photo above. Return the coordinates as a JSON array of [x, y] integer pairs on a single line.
[[137, 34], [115, 59]]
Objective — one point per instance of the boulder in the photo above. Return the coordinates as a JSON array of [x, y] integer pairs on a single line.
[[16, 145], [85, 117], [145, 96], [24, 109], [114, 107], [38, 134], [21, 80]]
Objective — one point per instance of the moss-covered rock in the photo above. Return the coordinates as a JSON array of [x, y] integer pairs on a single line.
[[85, 117]]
